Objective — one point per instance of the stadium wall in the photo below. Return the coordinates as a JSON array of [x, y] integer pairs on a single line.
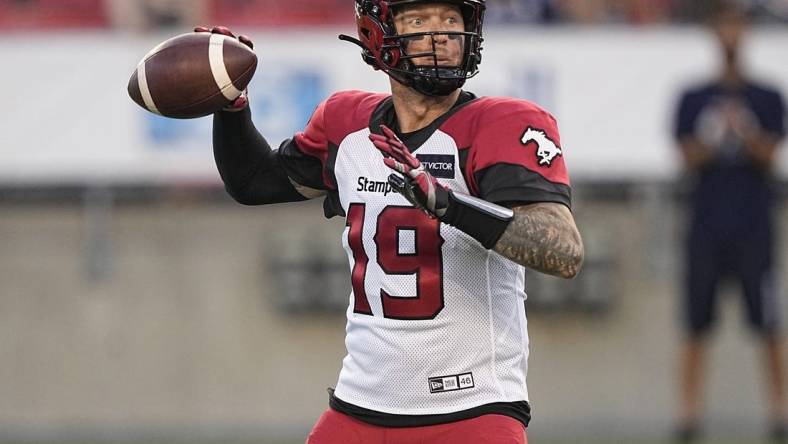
[[613, 92]]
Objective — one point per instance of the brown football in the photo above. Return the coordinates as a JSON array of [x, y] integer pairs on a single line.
[[192, 75]]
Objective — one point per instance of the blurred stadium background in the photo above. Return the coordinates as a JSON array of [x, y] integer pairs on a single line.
[[139, 304]]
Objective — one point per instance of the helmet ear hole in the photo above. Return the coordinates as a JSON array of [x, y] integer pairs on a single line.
[[390, 57]]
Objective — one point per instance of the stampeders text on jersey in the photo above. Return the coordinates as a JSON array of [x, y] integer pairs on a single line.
[[373, 186]]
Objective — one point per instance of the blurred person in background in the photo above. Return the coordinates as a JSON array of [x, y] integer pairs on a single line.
[[583, 11], [520, 11], [759, 11], [615, 11], [644, 11], [437, 239], [772, 10], [728, 131], [145, 15]]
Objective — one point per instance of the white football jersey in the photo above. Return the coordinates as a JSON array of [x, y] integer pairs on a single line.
[[436, 323]]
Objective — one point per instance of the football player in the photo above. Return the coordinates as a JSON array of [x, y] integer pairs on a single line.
[[447, 198]]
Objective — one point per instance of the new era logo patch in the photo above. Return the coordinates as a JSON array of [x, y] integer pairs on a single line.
[[439, 165], [451, 383]]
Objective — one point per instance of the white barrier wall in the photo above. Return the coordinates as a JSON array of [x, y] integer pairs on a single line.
[[67, 118]]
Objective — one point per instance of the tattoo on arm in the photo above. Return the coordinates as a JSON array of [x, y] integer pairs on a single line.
[[543, 237]]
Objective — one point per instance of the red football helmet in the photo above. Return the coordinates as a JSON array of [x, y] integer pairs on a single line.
[[382, 48]]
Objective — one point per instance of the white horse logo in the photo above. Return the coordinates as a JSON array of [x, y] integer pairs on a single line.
[[546, 149]]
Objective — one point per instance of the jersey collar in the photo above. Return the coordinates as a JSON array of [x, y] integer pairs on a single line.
[[386, 115]]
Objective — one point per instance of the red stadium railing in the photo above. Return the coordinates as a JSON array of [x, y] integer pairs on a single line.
[[144, 15], [40, 14], [282, 12], [59, 14]]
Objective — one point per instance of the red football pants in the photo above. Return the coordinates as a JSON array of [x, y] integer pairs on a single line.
[[337, 428]]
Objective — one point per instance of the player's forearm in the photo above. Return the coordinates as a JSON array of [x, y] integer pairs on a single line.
[[543, 237], [248, 167], [696, 154], [761, 149]]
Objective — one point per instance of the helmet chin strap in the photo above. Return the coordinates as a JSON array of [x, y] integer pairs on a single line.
[[444, 84]]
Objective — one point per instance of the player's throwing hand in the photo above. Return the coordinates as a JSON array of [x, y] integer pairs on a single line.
[[242, 101], [413, 181]]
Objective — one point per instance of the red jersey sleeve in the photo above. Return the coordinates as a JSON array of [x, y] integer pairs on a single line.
[[313, 140], [309, 156], [516, 155]]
